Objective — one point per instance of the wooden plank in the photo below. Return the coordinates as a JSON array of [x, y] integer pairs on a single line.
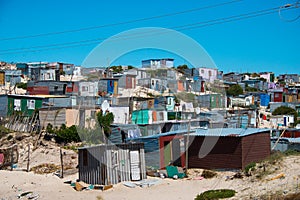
[[143, 164]]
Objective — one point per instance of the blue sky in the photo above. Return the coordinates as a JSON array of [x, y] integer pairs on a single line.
[[264, 43]]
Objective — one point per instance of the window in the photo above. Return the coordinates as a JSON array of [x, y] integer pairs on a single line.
[[91, 89], [84, 88], [17, 104], [169, 101], [209, 73], [48, 76], [202, 71], [31, 104]]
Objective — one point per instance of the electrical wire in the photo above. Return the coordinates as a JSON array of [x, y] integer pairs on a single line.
[[297, 5], [178, 28], [121, 23]]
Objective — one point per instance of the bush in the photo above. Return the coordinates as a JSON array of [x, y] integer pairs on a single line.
[[249, 167], [22, 85], [208, 174], [3, 131], [65, 134], [234, 90], [284, 110], [105, 121], [215, 194]]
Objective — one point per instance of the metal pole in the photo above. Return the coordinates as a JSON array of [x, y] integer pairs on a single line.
[[28, 158], [62, 163], [186, 147], [278, 140], [11, 158]]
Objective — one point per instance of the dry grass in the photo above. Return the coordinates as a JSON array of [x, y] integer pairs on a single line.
[[45, 168]]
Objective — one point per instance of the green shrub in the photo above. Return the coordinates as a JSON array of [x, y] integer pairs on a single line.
[[234, 90], [3, 131], [284, 110], [291, 152], [249, 167], [215, 194], [22, 85], [67, 134]]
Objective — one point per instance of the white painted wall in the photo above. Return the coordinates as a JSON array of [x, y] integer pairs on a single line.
[[121, 114]]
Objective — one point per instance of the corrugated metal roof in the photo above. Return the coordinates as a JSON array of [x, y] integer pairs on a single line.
[[290, 140], [13, 72], [223, 132], [163, 134]]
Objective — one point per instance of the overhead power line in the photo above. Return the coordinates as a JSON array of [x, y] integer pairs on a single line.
[[144, 34], [121, 23]]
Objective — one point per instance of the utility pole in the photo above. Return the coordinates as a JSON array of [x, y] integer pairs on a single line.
[[187, 146]]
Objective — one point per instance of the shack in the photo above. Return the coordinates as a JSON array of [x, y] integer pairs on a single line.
[[285, 143], [227, 148], [111, 164], [164, 148]]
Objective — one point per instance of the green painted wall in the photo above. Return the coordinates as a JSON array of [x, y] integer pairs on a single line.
[[215, 101], [140, 117], [24, 107]]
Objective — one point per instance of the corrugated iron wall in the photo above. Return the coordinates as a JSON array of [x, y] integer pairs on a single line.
[[230, 152], [109, 164], [4, 104], [225, 154], [255, 148], [56, 117]]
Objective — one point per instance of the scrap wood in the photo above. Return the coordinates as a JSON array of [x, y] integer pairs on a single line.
[[277, 177], [106, 187], [78, 186], [85, 185], [68, 182], [101, 187], [98, 187]]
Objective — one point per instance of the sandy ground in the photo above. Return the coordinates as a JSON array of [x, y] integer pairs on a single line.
[[50, 186]]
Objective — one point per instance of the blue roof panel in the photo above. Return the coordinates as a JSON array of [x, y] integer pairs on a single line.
[[237, 132]]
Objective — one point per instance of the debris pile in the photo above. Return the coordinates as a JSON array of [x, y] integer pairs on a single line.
[[170, 172], [28, 195], [80, 186], [143, 183]]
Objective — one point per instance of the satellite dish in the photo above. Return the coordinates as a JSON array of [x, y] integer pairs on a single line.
[[197, 110], [105, 106]]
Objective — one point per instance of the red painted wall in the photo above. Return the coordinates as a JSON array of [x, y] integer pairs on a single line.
[[291, 134], [278, 96], [161, 149], [38, 90]]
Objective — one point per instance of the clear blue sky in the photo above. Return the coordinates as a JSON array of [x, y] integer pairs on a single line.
[[264, 43]]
